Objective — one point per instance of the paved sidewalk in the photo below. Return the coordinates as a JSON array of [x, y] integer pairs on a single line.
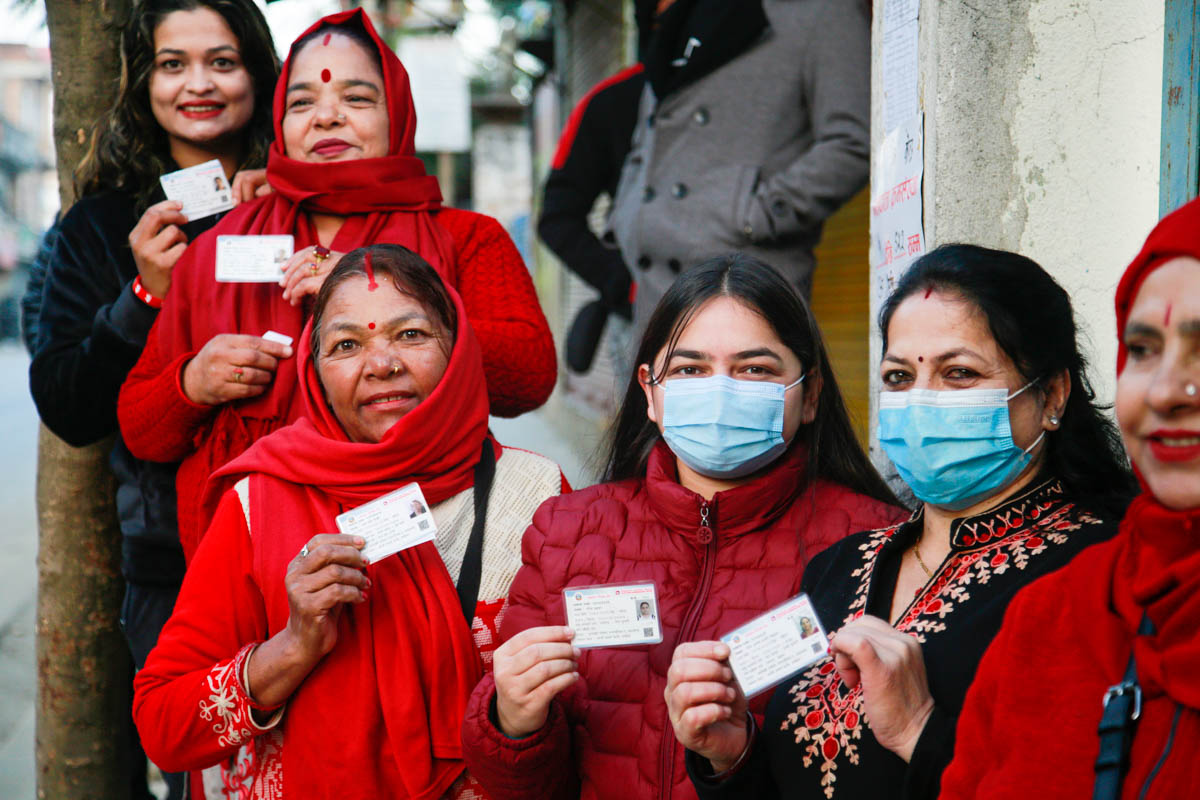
[[18, 574]]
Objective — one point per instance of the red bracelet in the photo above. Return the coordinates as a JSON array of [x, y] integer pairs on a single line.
[[140, 292]]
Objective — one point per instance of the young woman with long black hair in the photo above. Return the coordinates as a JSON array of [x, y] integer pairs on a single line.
[[732, 463], [196, 83]]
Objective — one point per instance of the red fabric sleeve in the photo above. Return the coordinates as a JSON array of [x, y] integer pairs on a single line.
[[189, 704], [514, 769], [502, 305], [979, 737], [158, 421]]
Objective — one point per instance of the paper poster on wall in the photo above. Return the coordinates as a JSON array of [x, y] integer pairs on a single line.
[[901, 98], [897, 231]]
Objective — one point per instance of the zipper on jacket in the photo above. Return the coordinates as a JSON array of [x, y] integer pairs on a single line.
[[691, 620]]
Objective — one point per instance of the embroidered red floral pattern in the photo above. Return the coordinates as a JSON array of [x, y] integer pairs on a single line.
[[828, 718]]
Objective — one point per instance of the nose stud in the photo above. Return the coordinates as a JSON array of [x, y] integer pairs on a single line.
[[341, 117], [1190, 390], [395, 369]]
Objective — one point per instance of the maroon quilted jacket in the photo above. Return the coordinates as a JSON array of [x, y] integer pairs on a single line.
[[608, 736]]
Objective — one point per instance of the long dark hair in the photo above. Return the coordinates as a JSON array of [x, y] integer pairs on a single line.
[[1030, 317], [834, 453], [129, 149]]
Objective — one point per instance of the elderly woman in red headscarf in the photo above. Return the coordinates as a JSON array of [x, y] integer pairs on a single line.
[[293, 666], [1092, 687], [344, 175]]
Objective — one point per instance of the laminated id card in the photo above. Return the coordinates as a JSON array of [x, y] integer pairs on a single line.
[[776, 645], [252, 259], [397, 521], [203, 189], [612, 615]]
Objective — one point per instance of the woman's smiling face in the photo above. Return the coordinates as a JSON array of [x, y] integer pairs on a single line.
[[382, 353], [335, 108]]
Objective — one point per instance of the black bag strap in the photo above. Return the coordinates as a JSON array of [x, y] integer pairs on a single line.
[[472, 566], [1122, 707]]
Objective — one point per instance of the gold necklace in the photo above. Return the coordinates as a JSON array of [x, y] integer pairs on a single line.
[[916, 551]]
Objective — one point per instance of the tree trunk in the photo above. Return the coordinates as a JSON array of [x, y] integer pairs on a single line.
[[83, 662]]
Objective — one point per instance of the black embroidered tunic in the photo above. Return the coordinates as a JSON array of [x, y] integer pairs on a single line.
[[815, 741]]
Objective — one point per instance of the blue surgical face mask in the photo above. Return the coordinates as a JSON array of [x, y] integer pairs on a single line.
[[952, 448], [722, 427]]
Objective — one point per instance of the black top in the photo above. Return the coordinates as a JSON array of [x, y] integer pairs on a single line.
[[91, 331], [815, 741], [591, 167]]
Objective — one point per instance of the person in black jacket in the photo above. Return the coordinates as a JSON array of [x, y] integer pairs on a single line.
[[196, 85]]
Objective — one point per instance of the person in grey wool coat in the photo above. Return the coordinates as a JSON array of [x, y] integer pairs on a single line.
[[753, 128]]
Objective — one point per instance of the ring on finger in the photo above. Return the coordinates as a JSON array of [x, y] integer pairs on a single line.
[[304, 551], [312, 268], [320, 253], [237, 374]]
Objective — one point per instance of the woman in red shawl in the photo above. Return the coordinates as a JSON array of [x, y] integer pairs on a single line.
[[1030, 726], [292, 666], [344, 175]]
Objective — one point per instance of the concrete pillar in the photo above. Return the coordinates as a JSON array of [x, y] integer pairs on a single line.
[[1042, 135]]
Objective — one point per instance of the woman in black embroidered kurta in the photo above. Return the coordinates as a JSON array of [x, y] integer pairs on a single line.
[[991, 424]]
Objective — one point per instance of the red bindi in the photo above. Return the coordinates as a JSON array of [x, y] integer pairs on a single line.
[[371, 284], [325, 76], [921, 359], [371, 326], [325, 41], [1167, 319]]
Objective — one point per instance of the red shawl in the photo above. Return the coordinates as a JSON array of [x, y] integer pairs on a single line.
[[393, 691], [1159, 568], [385, 199]]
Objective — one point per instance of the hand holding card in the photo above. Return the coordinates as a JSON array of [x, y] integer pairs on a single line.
[[776, 645], [202, 189], [706, 707], [397, 521], [530, 670], [157, 242]]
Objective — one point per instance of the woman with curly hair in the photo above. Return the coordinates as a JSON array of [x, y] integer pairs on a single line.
[[196, 82]]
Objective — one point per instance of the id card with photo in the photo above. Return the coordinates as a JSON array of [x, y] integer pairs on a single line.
[[612, 615], [397, 521], [203, 189], [252, 259], [776, 645]]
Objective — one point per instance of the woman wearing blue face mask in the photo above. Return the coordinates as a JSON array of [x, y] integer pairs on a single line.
[[732, 463], [987, 414]]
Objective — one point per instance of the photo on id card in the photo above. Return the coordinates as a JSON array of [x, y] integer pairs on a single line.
[[776, 645], [613, 615]]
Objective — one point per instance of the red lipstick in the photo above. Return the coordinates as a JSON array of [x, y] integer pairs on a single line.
[[201, 110], [1174, 445], [330, 147]]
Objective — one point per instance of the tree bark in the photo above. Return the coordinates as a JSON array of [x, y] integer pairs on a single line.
[[83, 661]]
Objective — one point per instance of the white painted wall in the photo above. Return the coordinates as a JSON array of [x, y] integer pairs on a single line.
[[1042, 135]]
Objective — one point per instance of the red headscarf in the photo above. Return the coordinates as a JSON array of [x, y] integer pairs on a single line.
[[405, 662], [1159, 570], [388, 199]]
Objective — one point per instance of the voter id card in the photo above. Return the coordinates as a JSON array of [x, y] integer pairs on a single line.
[[397, 521], [252, 259], [776, 645], [203, 189], [611, 615]]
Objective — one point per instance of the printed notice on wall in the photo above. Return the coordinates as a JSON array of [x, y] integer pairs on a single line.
[[897, 232], [901, 99]]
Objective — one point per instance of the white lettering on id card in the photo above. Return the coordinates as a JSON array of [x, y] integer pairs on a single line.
[[776, 645], [280, 338], [252, 259], [203, 189], [397, 521], [612, 615]]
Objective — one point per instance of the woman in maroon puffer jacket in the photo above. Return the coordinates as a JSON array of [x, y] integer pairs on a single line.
[[732, 463]]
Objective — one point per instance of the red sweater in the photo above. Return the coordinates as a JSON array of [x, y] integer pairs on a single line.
[[159, 422], [608, 736], [1028, 727]]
